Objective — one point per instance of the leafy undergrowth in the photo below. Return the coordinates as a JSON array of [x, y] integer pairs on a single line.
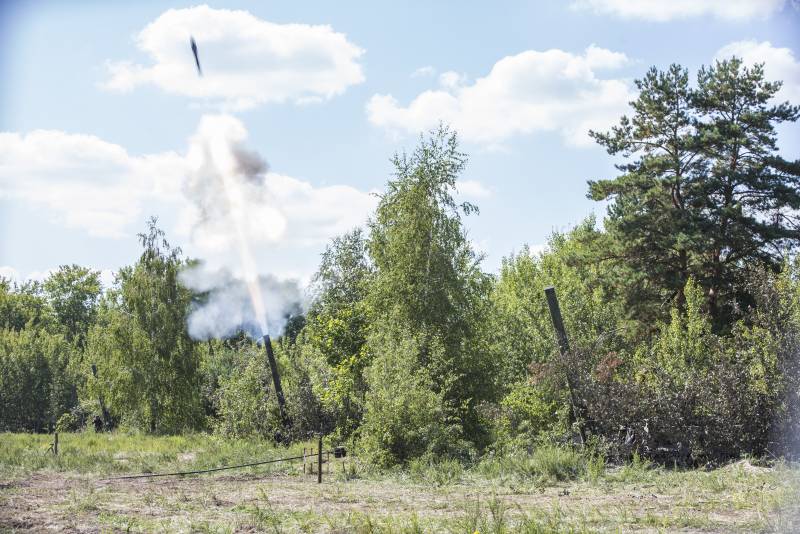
[[550, 490]]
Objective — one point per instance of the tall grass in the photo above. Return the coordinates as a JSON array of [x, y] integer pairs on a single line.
[[547, 463], [119, 453]]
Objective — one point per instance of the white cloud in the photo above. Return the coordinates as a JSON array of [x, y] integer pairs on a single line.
[[97, 186], [532, 91], [9, 273], [665, 10], [779, 64], [246, 61], [452, 80], [40, 276], [82, 181], [424, 72], [472, 189]]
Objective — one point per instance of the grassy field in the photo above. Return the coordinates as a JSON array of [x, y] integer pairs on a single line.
[[551, 490]]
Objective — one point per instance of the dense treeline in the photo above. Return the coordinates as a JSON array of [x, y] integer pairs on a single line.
[[683, 312]]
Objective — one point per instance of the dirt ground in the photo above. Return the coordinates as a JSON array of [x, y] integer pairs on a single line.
[[280, 503]]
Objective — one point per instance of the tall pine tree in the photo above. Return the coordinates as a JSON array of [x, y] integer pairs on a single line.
[[750, 195], [704, 193]]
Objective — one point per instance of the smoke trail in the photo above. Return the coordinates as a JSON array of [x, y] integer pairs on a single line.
[[226, 161], [237, 213], [224, 179]]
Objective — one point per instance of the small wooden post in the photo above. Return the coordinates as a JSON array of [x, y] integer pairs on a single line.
[[319, 460], [304, 460], [55, 443]]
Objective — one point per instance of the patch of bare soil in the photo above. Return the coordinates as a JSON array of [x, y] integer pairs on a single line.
[[49, 501]]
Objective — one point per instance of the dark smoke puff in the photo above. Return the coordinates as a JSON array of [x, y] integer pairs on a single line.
[[250, 164]]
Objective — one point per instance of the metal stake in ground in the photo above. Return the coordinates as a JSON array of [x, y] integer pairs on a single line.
[[563, 346]]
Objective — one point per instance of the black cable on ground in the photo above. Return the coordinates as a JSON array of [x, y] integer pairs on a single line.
[[180, 473]]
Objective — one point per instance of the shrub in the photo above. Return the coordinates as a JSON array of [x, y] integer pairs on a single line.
[[405, 418], [694, 397], [37, 384], [436, 473], [688, 396], [545, 463], [242, 405], [306, 379]]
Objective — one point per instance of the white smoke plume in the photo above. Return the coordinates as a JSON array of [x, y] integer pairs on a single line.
[[233, 209], [225, 306]]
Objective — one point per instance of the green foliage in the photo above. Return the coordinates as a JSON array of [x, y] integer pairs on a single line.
[[147, 365], [73, 293], [685, 345], [417, 242], [243, 403], [707, 195], [405, 418], [531, 412], [36, 381], [337, 326], [23, 306], [243, 406], [523, 331], [313, 391], [428, 281]]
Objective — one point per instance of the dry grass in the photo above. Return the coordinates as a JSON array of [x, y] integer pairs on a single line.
[[499, 497]]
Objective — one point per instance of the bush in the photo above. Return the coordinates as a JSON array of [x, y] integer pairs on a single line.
[[693, 397], [405, 418], [533, 411], [242, 404], [306, 379], [688, 396], [37, 384], [545, 463], [435, 473]]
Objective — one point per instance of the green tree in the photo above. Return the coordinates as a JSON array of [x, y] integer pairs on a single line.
[[531, 377], [654, 206], [338, 323], [337, 317], [37, 385], [704, 194], [23, 306], [148, 366], [592, 312], [73, 293], [750, 196], [428, 279], [406, 416], [242, 405]]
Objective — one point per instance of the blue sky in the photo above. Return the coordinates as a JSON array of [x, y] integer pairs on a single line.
[[98, 116]]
